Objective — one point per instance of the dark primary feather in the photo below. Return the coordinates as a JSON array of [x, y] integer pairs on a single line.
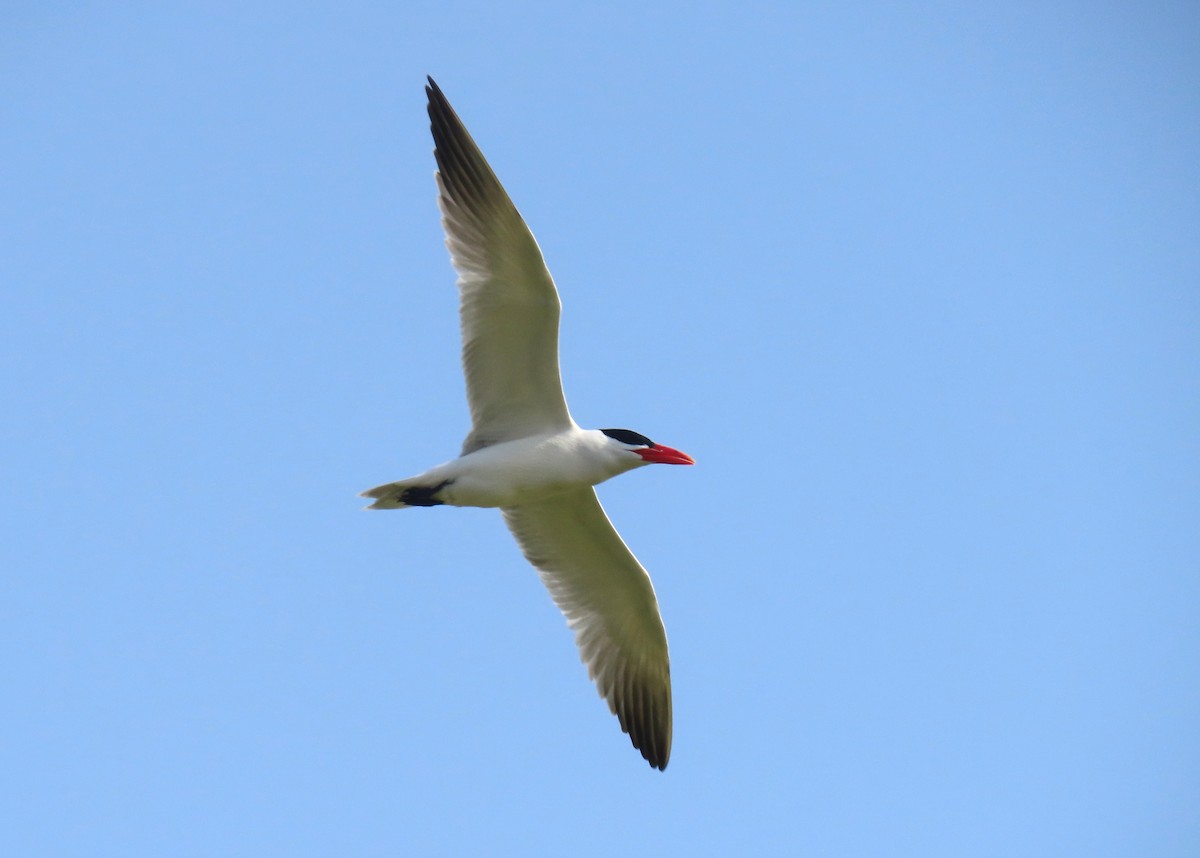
[[469, 180]]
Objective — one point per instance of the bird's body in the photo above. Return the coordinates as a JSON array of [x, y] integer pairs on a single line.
[[526, 455], [525, 470]]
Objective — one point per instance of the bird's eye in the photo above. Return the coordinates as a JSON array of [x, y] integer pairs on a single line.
[[627, 436]]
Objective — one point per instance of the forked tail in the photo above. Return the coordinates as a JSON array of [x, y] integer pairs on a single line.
[[404, 493]]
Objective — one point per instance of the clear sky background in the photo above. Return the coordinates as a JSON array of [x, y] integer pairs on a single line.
[[918, 285]]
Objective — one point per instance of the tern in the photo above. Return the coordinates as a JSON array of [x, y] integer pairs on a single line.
[[528, 457]]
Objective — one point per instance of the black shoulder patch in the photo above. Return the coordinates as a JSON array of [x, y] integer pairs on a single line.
[[626, 436]]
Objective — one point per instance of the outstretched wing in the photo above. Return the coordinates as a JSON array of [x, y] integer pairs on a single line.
[[509, 306], [609, 603]]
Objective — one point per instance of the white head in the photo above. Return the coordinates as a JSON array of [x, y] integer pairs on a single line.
[[642, 447]]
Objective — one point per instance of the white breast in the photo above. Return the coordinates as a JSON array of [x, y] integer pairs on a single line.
[[530, 469]]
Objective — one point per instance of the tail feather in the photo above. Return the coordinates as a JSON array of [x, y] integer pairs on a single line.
[[388, 496], [404, 493]]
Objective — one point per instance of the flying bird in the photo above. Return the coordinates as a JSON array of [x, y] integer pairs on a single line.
[[524, 453]]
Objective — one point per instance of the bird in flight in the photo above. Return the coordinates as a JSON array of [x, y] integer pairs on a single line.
[[524, 453]]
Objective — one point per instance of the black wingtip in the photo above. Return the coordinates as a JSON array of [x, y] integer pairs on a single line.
[[438, 103], [656, 757], [648, 731]]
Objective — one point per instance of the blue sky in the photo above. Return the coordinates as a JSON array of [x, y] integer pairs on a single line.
[[918, 285]]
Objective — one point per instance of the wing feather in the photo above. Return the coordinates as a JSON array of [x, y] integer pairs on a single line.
[[609, 603], [509, 306]]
